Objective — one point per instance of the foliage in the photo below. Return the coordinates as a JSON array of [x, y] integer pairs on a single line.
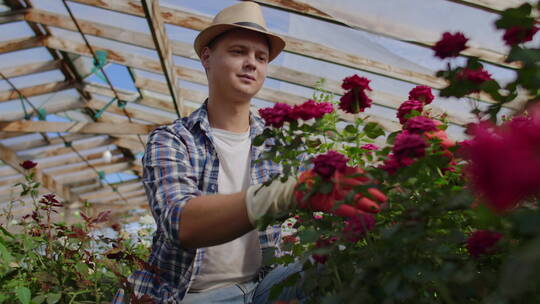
[[438, 238], [43, 261]]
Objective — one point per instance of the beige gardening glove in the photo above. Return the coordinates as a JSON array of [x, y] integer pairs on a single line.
[[273, 199]]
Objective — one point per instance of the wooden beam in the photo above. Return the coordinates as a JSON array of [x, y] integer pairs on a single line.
[[10, 157], [40, 89], [377, 26], [20, 44], [76, 127], [31, 68], [152, 12], [294, 45], [12, 16], [186, 50]]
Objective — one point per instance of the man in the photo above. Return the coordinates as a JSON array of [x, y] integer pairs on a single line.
[[201, 178]]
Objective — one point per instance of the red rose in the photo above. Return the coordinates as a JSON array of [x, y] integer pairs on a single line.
[[517, 34], [356, 227], [355, 101], [356, 81], [326, 164], [504, 164], [476, 76], [407, 107], [420, 124], [28, 164], [422, 93], [310, 109], [482, 242], [276, 115], [392, 164], [441, 134], [409, 145], [450, 45]]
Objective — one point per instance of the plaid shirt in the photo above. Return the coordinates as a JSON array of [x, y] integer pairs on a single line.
[[181, 163]]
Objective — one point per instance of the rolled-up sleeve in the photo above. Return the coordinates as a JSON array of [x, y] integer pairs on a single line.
[[169, 180]]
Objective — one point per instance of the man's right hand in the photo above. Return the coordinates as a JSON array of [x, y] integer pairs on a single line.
[[274, 199]]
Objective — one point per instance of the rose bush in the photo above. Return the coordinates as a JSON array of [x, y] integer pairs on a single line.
[[412, 216], [46, 261]]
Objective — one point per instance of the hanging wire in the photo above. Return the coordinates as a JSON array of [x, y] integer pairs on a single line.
[[96, 60], [66, 142], [98, 173], [22, 97]]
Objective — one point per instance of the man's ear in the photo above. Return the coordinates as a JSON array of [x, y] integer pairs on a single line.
[[205, 57]]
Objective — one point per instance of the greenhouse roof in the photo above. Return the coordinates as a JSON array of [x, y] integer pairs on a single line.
[[58, 109]]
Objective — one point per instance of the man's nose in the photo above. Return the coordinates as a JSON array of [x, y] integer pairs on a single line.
[[250, 62]]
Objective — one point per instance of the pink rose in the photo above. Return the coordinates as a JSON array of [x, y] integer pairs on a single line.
[[450, 45], [370, 147], [422, 93]]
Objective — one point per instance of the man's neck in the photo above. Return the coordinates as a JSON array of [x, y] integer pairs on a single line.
[[229, 116]]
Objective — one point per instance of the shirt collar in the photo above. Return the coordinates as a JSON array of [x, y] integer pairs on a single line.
[[200, 117]]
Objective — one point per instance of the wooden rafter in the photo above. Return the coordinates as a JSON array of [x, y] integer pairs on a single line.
[[294, 45], [31, 68], [378, 27], [76, 127], [152, 12], [184, 50], [20, 44], [40, 89], [492, 6]]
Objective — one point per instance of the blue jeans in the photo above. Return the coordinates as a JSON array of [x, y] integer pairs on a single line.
[[251, 292]]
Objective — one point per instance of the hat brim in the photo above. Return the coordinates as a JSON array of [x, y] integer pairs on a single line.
[[277, 44]]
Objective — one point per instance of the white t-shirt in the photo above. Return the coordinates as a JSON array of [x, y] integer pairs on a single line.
[[238, 260]]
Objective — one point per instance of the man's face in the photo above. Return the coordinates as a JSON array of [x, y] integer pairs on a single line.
[[237, 64]]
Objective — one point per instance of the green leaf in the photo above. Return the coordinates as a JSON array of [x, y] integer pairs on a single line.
[[4, 253], [308, 235], [38, 299], [259, 140], [351, 129], [53, 298], [326, 187], [373, 130], [23, 294]]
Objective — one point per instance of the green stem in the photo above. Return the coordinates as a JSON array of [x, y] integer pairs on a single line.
[[78, 293]]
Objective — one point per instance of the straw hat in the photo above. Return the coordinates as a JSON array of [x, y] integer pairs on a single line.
[[246, 15]]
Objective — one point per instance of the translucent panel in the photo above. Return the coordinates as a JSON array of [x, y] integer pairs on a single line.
[[23, 57], [16, 30], [91, 13], [32, 80]]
